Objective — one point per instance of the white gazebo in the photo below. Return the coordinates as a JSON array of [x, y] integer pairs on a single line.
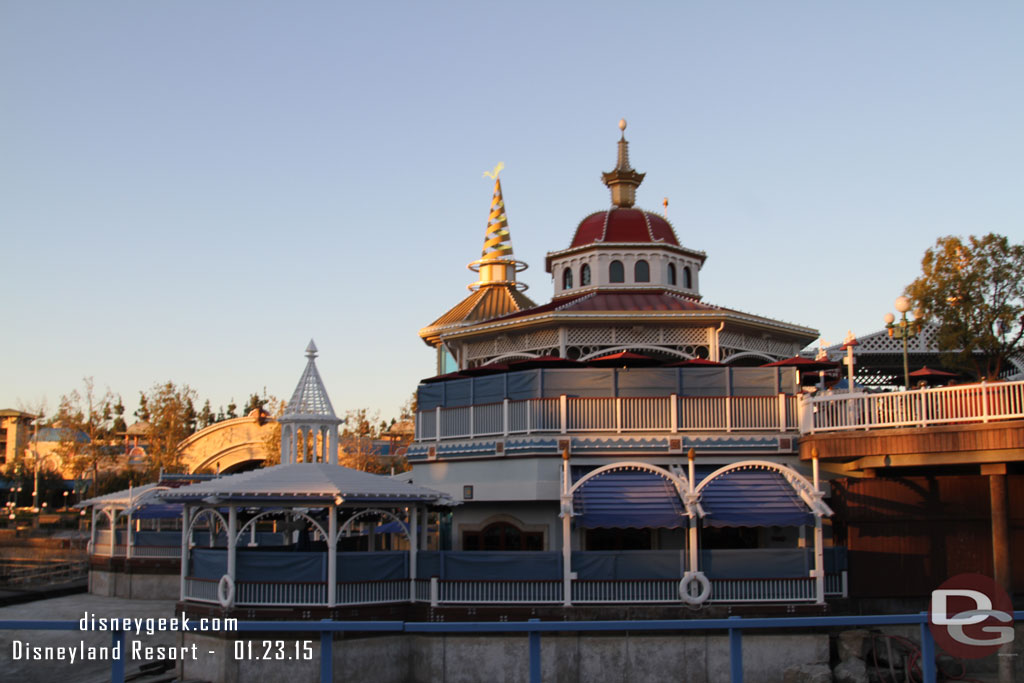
[[321, 498]]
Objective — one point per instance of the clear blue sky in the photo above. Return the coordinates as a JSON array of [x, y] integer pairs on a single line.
[[192, 190]]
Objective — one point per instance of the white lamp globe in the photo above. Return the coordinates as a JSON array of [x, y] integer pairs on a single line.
[[902, 304], [889, 318]]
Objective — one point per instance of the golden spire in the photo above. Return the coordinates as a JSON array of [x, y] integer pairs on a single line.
[[496, 265], [623, 180]]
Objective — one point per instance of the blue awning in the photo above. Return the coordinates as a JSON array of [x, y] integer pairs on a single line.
[[754, 497], [628, 499]]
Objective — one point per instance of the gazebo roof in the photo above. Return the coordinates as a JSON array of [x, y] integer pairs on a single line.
[[124, 498], [310, 396], [305, 482]]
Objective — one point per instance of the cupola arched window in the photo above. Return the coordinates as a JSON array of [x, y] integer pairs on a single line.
[[567, 278], [671, 273], [616, 273], [687, 277], [584, 275], [641, 272]]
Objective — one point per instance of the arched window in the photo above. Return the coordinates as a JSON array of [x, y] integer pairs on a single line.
[[616, 273], [687, 278], [567, 278], [641, 272], [584, 275], [671, 273]]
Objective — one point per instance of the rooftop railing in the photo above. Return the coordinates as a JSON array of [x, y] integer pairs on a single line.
[[984, 402], [615, 415]]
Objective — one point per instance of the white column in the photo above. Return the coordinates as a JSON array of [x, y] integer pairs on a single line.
[[332, 555], [691, 458], [113, 530], [92, 531], [566, 532], [334, 444], [129, 537], [185, 535], [232, 532], [414, 515], [819, 551]]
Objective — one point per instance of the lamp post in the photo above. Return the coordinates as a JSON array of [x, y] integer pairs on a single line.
[[906, 329]]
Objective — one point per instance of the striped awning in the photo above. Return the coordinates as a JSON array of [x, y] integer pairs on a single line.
[[753, 497], [628, 499]]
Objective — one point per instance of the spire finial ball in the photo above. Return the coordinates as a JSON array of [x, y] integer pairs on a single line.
[[622, 125]]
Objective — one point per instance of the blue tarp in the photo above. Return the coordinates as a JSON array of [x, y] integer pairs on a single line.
[[606, 565], [601, 382], [375, 566]]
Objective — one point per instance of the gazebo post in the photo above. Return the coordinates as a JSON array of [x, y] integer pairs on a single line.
[[692, 531], [566, 532], [92, 530], [232, 532], [414, 514], [129, 537], [819, 552], [113, 530], [186, 535], [332, 554]]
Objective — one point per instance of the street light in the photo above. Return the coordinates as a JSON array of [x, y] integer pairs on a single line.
[[905, 329]]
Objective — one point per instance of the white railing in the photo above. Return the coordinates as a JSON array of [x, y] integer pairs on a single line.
[[201, 590], [499, 592], [156, 551], [656, 414], [836, 585], [636, 591], [281, 593], [762, 590], [438, 592], [982, 402], [372, 592]]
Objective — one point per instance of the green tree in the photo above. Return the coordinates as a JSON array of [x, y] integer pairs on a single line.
[[254, 403], [173, 418], [974, 290], [206, 416], [85, 412]]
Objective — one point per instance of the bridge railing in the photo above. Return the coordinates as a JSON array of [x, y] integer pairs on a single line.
[[734, 626]]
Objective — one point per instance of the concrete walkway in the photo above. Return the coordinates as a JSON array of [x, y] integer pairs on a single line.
[[74, 608]]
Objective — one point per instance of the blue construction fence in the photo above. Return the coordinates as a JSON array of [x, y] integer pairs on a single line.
[[271, 565]]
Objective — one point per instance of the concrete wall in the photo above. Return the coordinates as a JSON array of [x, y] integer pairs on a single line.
[[609, 658], [134, 586]]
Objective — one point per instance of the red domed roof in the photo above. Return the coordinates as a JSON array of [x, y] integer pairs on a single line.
[[621, 225]]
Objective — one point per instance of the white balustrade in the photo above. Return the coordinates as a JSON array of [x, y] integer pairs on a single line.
[[646, 414], [201, 590], [655, 414], [635, 591], [982, 402], [373, 592], [762, 590], [280, 593], [156, 551], [592, 414], [500, 592]]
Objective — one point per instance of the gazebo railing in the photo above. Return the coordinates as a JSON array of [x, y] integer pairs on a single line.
[[567, 415], [527, 592]]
